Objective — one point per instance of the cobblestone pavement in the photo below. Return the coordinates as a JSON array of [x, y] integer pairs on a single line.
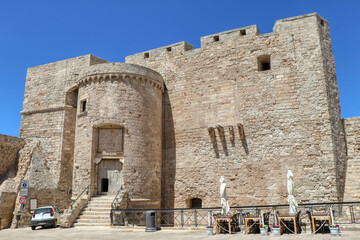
[[134, 234]]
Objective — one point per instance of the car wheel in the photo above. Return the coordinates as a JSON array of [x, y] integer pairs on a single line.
[[55, 224], [33, 227]]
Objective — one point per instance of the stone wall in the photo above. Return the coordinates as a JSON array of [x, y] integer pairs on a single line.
[[9, 154], [9, 150], [337, 130], [48, 126], [222, 112], [352, 130], [285, 111], [128, 98]]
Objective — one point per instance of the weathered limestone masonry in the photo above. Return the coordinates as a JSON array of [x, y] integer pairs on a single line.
[[352, 129], [48, 126], [165, 125], [122, 127], [290, 114], [9, 153]]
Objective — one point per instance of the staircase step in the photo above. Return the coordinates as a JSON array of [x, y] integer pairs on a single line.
[[88, 213], [107, 217], [91, 224], [96, 213], [97, 209], [99, 205], [93, 220]]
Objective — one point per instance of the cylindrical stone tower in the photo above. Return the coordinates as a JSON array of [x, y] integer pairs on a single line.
[[119, 131]]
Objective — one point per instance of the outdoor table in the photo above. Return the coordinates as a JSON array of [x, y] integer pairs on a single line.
[[247, 219], [319, 216], [222, 219], [292, 218]]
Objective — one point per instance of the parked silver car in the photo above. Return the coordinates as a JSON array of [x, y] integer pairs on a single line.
[[48, 216]]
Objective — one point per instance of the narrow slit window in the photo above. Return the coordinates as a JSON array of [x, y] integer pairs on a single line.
[[264, 63], [83, 106], [146, 55], [322, 22]]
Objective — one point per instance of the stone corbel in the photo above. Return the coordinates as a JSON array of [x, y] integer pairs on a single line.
[[212, 134], [221, 133], [241, 131]]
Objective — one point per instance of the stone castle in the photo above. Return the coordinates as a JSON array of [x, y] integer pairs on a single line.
[[169, 122]]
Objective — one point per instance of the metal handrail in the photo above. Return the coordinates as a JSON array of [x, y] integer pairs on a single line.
[[71, 206], [204, 216], [253, 206], [112, 204]]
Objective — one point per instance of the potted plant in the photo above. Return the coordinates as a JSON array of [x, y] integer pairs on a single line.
[[276, 229], [263, 229], [334, 229], [209, 230]]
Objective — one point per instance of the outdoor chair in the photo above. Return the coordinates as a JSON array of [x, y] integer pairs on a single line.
[[267, 218], [324, 228], [223, 227], [254, 221], [289, 225], [235, 223]]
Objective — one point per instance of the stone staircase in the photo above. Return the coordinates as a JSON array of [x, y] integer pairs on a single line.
[[96, 213]]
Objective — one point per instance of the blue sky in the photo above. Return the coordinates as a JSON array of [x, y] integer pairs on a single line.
[[34, 32]]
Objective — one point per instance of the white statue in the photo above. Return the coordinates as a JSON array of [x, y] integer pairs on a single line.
[[224, 203], [291, 199]]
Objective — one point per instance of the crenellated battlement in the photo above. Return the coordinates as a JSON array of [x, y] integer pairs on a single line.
[[232, 35], [248, 33]]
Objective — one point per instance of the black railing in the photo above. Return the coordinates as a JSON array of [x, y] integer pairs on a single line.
[[345, 213], [87, 188], [113, 202]]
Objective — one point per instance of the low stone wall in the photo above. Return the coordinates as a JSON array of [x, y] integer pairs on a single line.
[[69, 216], [9, 152]]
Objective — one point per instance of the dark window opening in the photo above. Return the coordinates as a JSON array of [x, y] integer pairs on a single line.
[[104, 184], [146, 55], [168, 49], [264, 63], [216, 38], [322, 22], [83, 105], [196, 203], [242, 32]]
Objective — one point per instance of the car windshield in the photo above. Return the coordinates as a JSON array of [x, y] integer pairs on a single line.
[[43, 210]]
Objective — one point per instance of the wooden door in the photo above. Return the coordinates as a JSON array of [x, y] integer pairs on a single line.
[[109, 176]]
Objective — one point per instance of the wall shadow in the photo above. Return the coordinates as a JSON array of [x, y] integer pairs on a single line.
[[216, 149], [224, 145], [168, 154]]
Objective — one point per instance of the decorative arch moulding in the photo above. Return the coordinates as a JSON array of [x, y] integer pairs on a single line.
[[120, 76]]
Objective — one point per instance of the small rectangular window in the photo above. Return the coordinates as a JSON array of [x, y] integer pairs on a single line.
[[83, 106], [216, 38], [242, 32], [168, 49], [264, 63], [146, 55]]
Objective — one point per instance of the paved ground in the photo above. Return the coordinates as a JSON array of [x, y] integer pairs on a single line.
[[106, 233]]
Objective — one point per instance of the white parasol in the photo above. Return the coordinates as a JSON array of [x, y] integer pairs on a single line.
[[224, 203], [291, 199]]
